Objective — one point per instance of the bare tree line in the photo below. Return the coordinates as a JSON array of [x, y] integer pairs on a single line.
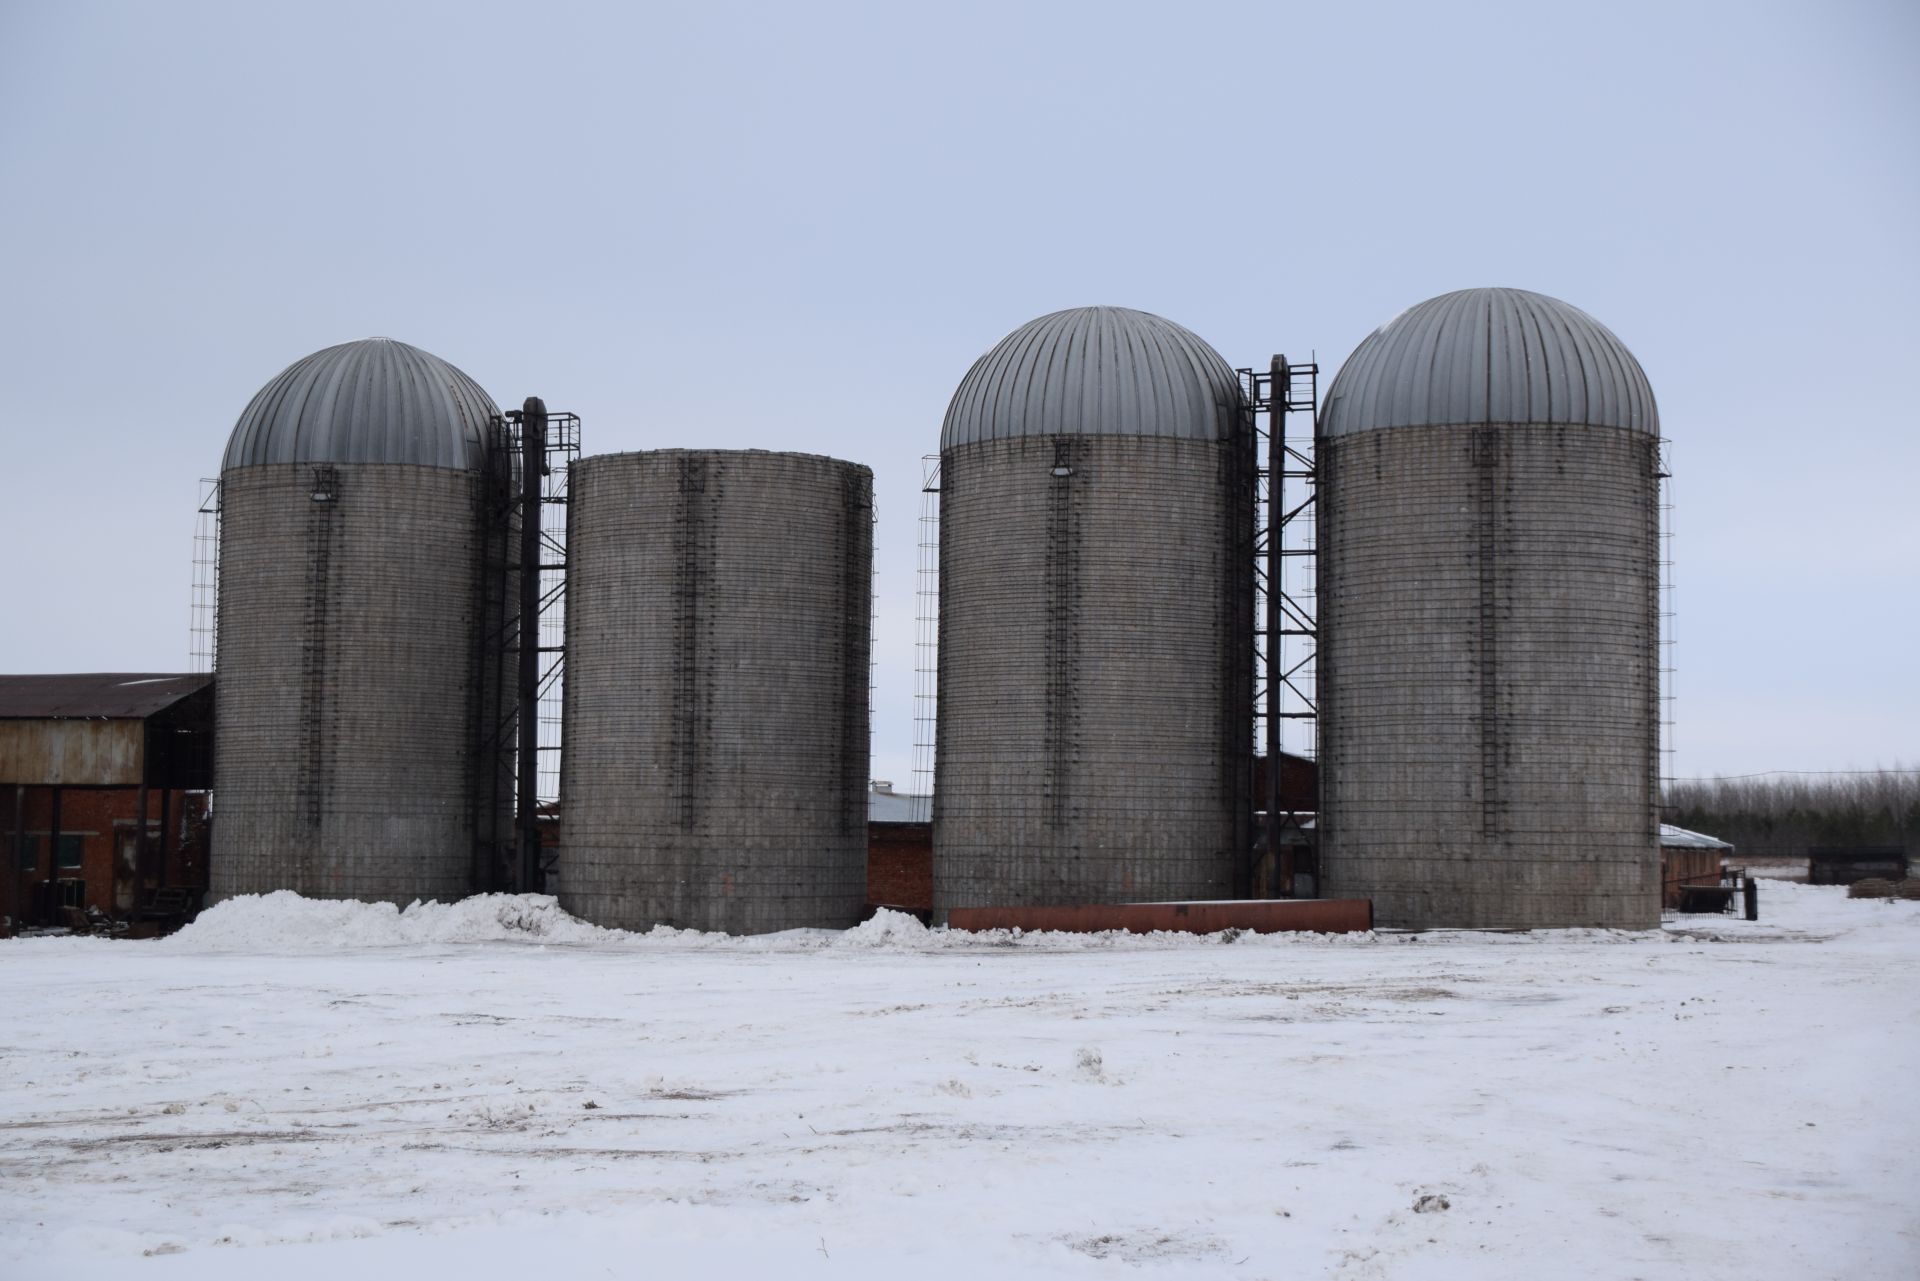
[[1784, 816]]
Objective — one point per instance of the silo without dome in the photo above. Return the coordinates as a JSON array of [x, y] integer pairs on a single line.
[[1093, 733], [719, 609], [1488, 616], [349, 555]]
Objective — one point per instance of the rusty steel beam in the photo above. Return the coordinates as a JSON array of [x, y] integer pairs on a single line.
[[1259, 916], [16, 892]]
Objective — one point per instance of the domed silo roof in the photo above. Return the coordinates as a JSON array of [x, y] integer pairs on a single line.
[[1096, 371], [372, 401], [1490, 356]]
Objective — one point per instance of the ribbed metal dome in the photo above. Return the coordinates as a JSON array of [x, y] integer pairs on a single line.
[[372, 401], [1490, 356], [1096, 371]]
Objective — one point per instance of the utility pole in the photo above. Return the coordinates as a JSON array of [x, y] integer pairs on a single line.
[[1282, 859]]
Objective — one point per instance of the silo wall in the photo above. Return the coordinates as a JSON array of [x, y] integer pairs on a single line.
[[346, 681], [1094, 671], [718, 641], [1488, 678]]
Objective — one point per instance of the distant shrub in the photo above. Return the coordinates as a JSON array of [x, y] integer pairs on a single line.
[[1783, 816]]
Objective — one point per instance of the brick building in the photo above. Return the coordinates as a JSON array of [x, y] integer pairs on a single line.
[[899, 851], [84, 759]]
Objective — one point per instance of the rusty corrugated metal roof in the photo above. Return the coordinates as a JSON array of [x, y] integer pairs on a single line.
[[1096, 371], [1482, 356], [105, 695], [1672, 837], [372, 401]]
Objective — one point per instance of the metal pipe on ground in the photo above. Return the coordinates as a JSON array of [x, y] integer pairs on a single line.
[[1258, 916]]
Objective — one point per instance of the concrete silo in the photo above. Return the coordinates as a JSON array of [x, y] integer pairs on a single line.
[[1093, 735], [1489, 626], [719, 608], [349, 563]]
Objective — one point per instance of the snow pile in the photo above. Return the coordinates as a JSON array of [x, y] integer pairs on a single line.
[[284, 919], [888, 928]]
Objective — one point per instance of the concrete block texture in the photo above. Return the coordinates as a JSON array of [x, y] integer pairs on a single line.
[[1094, 671], [719, 610], [1488, 675], [346, 679]]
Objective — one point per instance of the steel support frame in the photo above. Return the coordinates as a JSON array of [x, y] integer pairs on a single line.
[[1283, 469], [531, 452], [534, 468]]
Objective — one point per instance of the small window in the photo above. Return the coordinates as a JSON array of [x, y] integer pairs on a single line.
[[71, 848]]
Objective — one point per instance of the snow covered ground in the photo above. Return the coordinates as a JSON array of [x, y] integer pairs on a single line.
[[293, 1090]]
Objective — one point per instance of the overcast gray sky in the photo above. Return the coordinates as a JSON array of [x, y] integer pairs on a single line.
[[794, 226]]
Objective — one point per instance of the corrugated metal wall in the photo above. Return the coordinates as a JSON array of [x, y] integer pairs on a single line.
[[347, 663], [1094, 739], [82, 753], [718, 641]]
